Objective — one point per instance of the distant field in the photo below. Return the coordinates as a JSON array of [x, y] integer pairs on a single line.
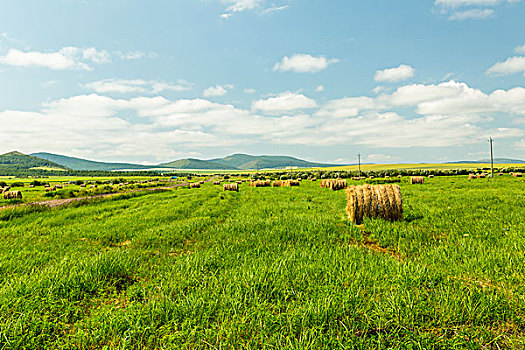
[[372, 167], [269, 268]]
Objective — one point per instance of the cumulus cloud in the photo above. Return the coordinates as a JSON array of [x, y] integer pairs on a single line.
[[320, 88], [417, 115], [284, 102], [136, 86], [303, 63], [520, 49], [471, 14], [67, 58], [235, 6], [476, 9], [403, 72], [510, 66], [217, 90]]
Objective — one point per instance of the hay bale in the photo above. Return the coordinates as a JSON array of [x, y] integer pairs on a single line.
[[231, 186], [195, 185], [261, 183], [291, 183], [430, 176], [334, 184], [517, 174], [417, 180], [482, 176], [500, 174], [277, 183], [380, 201], [472, 176], [314, 179], [13, 195], [217, 183]]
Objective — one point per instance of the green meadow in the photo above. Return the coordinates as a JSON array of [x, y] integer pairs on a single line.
[[268, 268]]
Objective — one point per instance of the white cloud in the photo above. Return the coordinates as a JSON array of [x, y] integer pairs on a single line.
[[217, 90], [132, 55], [320, 88], [510, 66], [136, 86], [284, 102], [520, 49], [249, 91], [303, 63], [400, 73], [471, 14], [235, 6], [67, 58], [462, 3]]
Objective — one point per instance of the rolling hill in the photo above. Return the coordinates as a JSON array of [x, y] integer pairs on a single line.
[[247, 162], [195, 164], [19, 161], [83, 164], [496, 161]]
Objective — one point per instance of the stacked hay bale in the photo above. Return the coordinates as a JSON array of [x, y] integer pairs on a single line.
[[417, 180], [379, 201], [517, 174], [291, 183], [232, 186], [334, 184], [261, 183], [195, 185], [13, 195], [277, 183]]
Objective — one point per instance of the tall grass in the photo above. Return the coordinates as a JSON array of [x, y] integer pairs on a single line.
[[269, 268]]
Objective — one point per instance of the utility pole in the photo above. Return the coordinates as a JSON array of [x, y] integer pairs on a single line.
[[491, 158], [290, 170], [359, 160]]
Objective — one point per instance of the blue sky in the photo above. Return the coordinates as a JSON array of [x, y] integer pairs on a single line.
[[152, 81]]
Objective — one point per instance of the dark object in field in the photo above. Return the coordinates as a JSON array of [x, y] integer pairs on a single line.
[[430, 176], [337, 184], [472, 176], [5, 189], [482, 176], [195, 185], [217, 183], [417, 180], [314, 179], [239, 182], [232, 186], [13, 195], [50, 189], [374, 201], [500, 174], [517, 174], [277, 183]]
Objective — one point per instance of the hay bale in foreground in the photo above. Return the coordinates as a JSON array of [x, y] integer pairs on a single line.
[[231, 186], [419, 180], [379, 201]]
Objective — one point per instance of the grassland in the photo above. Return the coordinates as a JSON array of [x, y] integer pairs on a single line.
[[269, 268]]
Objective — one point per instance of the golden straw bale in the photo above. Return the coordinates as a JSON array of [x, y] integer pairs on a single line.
[[417, 180], [195, 185], [277, 183], [380, 201], [231, 186], [517, 174]]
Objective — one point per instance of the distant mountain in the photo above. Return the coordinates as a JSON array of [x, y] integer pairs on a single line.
[[196, 164], [19, 161], [83, 164], [233, 162], [247, 162], [496, 161]]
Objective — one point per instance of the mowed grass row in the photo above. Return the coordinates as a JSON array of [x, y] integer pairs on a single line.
[[269, 268]]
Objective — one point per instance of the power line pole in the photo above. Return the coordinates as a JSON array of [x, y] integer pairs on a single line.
[[359, 160], [290, 170], [491, 158]]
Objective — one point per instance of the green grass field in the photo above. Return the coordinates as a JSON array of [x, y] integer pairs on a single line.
[[269, 268]]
